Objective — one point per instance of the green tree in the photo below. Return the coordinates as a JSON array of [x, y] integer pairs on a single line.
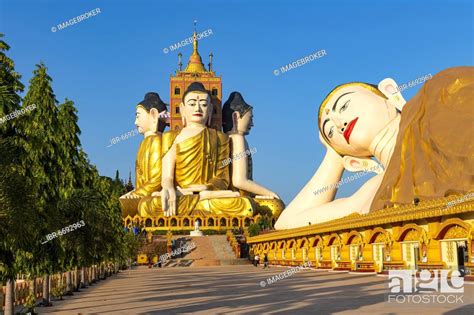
[[10, 84], [17, 203], [44, 167], [68, 136], [18, 219], [48, 183]]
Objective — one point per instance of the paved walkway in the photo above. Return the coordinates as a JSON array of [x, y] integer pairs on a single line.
[[237, 290]]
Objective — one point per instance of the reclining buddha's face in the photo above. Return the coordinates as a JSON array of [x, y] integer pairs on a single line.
[[196, 108], [352, 116]]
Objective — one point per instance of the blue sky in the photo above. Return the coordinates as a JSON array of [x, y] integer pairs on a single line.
[[107, 63]]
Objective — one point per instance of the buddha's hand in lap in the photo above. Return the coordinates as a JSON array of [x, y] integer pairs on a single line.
[[168, 201], [196, 188], [183, 191], [211, 194], [269, 196]]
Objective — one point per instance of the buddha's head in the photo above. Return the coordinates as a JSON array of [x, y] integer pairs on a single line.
[[148, 112], [196, 107], [237, 115], [353, 114]]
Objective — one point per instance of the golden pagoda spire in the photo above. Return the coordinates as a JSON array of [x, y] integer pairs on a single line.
[[195, 62]]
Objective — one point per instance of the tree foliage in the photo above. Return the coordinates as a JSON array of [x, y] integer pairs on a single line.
[[47, 184]]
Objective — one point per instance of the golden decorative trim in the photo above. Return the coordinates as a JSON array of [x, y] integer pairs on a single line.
[[456, 231], [448, 224], [425, 209], [412, 235]]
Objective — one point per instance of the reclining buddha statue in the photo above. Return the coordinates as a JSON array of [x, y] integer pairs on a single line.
[[148, 163], [424, 146], [195, 178]]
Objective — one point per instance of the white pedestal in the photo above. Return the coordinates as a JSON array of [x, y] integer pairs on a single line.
[[196, 233]]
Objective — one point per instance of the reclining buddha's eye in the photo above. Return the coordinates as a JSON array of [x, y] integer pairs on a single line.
[[344, 107]]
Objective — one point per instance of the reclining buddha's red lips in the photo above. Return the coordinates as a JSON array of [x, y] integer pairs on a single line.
[[348, 131]]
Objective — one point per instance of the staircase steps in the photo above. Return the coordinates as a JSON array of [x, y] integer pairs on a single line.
[[211, 250]]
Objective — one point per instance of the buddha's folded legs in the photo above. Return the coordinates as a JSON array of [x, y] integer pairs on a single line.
[[151, 206], [191, 205], [238, 206]]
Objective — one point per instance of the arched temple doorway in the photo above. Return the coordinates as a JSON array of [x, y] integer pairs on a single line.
[[454, 235], [409, 239]]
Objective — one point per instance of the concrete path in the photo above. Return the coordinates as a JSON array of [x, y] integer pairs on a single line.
[[244, 290]]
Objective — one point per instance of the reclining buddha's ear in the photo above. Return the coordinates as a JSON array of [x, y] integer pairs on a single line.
[[390, 89], [354, 164]]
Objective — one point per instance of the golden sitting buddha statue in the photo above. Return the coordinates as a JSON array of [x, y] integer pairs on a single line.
[[237, 118], [148, 162], [195, 178]]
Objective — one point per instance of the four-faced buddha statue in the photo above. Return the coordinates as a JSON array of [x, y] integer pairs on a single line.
[[422, 145], [148, 163], [237, 118], [195, 178]]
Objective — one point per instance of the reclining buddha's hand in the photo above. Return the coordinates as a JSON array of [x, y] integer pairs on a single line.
[[327, 146], [168, 200]]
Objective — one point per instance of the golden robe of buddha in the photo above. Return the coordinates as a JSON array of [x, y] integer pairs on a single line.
[[148, 162], [200, 160], [148, 166], [434, 152]]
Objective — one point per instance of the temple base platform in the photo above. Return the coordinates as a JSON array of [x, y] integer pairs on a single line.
[[432, 235]]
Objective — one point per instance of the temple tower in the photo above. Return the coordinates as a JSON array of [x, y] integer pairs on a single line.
[[195, 71]]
